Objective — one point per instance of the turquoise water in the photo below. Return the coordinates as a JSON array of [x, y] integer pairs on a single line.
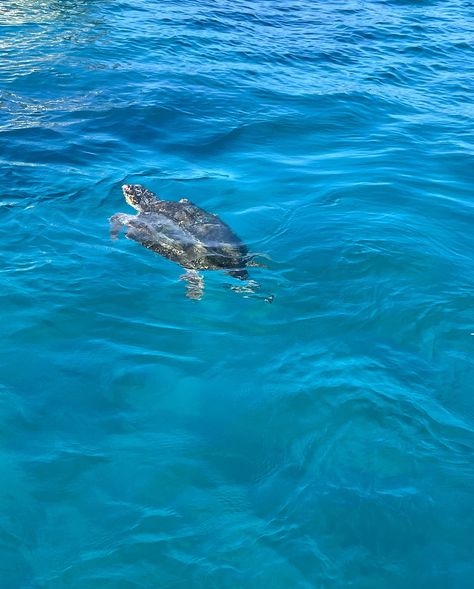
[[322, 441]]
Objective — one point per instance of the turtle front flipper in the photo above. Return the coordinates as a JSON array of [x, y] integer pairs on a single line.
[[117, 222], [195, 286]]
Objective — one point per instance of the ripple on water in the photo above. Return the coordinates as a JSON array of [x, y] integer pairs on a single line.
[[323, 440]]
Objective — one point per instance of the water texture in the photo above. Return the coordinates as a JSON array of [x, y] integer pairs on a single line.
[[322, 441]]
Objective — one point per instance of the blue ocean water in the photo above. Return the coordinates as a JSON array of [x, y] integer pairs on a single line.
[[321, 441]]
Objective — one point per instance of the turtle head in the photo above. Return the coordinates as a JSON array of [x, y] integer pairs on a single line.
[[139, 197]]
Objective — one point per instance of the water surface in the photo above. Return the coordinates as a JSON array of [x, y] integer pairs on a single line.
[[324, 440]]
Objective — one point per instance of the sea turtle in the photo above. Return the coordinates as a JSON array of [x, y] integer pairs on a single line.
[[186, 234]]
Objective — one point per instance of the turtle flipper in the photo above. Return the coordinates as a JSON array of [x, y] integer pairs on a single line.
[[251, 262], [117, 222], [250, 289], [195, 286], [239, 273]]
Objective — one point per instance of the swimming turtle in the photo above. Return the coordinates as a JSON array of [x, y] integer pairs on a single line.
[[186, 234]]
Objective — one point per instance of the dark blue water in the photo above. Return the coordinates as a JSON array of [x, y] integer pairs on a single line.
[[322, 441]]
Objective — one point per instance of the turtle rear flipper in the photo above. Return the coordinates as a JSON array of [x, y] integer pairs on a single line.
[[251, 290], [195, 286], [239, 273], [250, 260]]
